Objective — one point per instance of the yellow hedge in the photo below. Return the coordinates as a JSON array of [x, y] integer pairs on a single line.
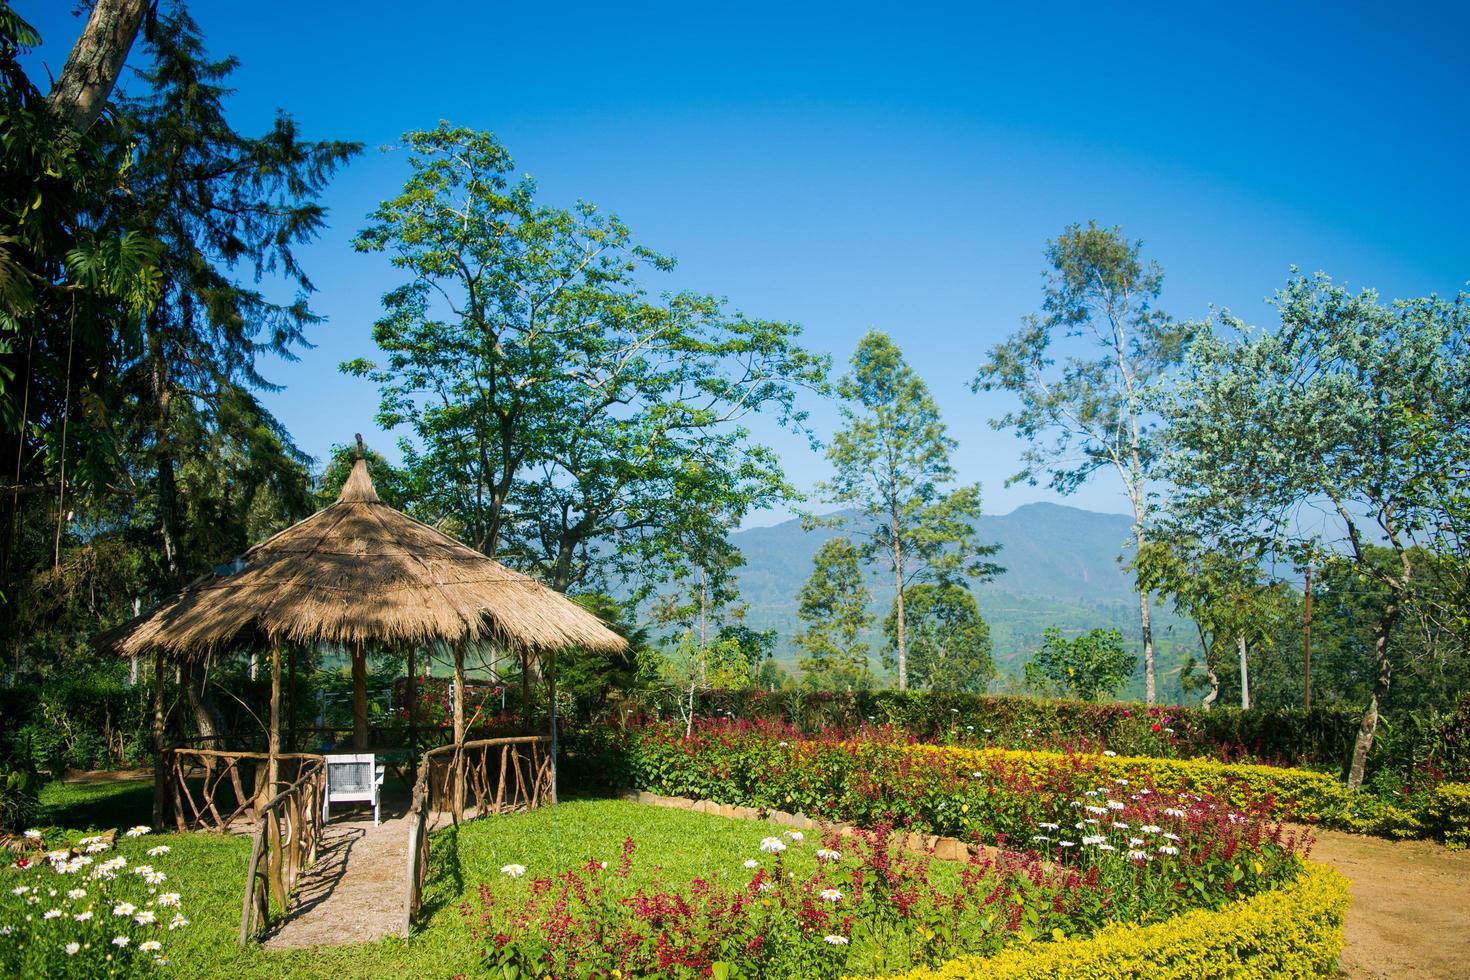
[[1290, 932], [1300, 794]]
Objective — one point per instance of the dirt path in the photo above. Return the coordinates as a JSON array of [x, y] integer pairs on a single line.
[[1410, 914], [354, 892]]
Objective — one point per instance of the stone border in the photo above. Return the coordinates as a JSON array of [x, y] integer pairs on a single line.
[[942, 848]]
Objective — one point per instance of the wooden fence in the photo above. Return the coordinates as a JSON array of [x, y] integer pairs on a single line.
[[287, 835], [209, 789], [474, 779]]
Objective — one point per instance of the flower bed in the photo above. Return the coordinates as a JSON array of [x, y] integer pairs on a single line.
[[1291, 932], [799, 908], [959, 791], [73, 912]]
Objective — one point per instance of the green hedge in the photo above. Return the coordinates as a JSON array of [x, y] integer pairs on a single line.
[[1295, 931], [1320, 738]]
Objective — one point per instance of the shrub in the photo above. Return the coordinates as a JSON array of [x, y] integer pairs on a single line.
[[1449, 813], [1292, 932], [18, 800]]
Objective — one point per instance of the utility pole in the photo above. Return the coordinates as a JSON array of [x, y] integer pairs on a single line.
[[1307, 644]]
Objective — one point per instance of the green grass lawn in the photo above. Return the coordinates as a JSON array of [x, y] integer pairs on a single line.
[[673, 846]]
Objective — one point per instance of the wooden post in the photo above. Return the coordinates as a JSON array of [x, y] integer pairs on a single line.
[[291, 699], [525, 693], [359, 697], [458, 693], [551, 716], [273, 768], [411, 691], [159, 773], [458, 758]]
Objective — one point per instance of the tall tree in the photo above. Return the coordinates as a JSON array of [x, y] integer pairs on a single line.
[[228, 211], [556, 408], [892, 462], [949, 641], [1330, 432], [1090, 413], [833, 606]]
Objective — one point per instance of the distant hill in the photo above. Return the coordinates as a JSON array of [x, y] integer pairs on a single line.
[[1062, 568]]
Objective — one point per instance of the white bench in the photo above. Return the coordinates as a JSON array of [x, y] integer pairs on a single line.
[[353, 779]]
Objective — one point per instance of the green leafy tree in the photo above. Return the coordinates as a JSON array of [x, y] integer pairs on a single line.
[[892, 462], [1234, 606], [949, 641], [1311, 440], [559, 413], [1089, 412], [1091, 666], [833, 606]]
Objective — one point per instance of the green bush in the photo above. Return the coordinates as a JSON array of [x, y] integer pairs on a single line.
[[1449, 813], [18, 789], [1295, 931]]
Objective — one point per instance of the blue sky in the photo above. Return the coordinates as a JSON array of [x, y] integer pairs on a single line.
[[894, 166]]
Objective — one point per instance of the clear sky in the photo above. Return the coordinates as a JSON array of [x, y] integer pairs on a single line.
[[894, 166]]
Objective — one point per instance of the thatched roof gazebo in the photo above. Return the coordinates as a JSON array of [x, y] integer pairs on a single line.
[[358, 572]]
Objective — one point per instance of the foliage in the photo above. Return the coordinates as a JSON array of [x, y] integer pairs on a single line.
[[18, 797], [1448, 813], [833, 606], [558, 410], [1293, 932], [1336, 429], [1229, 599], [949, 641], [892, 461], [1088, 667], [1094, 408], [75, 913]]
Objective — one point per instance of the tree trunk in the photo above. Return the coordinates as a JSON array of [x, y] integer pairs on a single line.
[[900, 631], [1382, 675], [96, 60], [207, 719], [1145, 622], [525, 694], [359, 698], [1245, 674], [1214, 693], [458, 693]]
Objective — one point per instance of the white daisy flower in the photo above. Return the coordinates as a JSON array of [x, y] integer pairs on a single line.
[[513, 870], [72, 948], [796, 835], [835, 940], [773, 845], [827, 854], [139, 830], [120, 941], [830, 895], [151, 946]]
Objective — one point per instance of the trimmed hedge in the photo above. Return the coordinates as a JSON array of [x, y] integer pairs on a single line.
[[1291, 932]]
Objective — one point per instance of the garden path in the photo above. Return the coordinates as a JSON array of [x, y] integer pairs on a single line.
[[1410, 906], [354, 892]]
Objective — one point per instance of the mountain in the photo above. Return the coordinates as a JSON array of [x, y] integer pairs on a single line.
[[1061, 564]]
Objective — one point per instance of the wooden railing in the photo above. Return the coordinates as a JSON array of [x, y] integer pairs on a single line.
[[209, 789], [286, 840], [474, 779]]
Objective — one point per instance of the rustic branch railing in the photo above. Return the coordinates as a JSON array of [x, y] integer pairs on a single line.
[[230, 785], [476, 779], [286, 840]]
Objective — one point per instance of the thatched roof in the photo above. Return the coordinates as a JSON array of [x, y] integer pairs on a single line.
[[360, 571]]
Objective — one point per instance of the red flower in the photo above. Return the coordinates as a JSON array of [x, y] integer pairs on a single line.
[[1156, 727]]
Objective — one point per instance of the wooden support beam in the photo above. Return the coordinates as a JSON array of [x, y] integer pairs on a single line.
[[160, 786], [273, 766], [291, 699], [359, 697], [412, 693]]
